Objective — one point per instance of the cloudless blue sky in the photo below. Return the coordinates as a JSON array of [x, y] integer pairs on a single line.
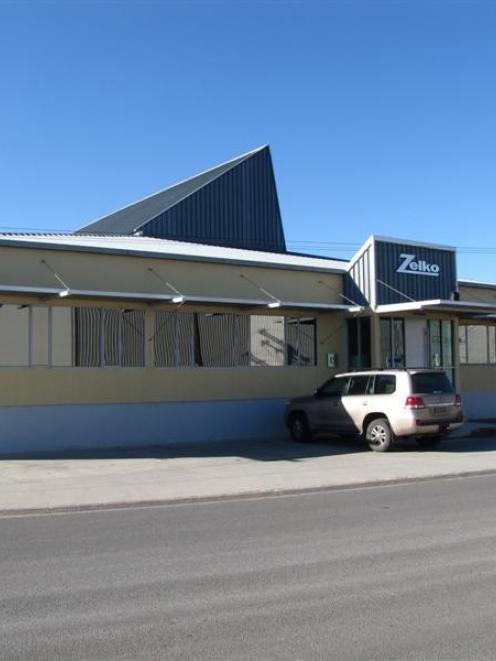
[[381, 116]]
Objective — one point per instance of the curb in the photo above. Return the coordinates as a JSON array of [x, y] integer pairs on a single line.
[[252, 495]]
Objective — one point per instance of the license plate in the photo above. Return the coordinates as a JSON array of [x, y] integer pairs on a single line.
[[440, 410]]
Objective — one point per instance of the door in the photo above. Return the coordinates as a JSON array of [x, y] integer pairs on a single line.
[[441, 346], [416, 343], [355, 403], [329, 411]]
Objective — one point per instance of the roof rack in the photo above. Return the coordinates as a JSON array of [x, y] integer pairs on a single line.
[[397, 369]]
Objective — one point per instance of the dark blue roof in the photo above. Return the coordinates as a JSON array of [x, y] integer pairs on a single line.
[[234, 204]]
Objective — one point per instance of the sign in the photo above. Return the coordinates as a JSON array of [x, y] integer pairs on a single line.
[[332, 360], [414, 266]]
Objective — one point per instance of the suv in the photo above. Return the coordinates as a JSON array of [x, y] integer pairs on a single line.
[[380, 405]]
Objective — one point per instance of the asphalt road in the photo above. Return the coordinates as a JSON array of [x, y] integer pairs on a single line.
[[398, 572]]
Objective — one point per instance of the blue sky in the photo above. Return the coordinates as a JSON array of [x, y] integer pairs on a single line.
[[381, 115]]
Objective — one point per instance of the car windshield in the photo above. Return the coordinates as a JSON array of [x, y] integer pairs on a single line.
[[431, 382]]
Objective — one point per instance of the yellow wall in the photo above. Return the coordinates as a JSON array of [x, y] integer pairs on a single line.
[[121, 273], [478, 294], [475, 378], [72, 385]]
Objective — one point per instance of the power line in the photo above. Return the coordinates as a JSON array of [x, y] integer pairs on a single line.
[[316, 245]]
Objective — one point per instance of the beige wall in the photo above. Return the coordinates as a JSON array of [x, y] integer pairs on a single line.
[[477, 378], [76, 385], [121, 273], [478, 294]]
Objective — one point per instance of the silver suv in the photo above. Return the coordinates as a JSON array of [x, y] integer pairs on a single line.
[[380, 405]]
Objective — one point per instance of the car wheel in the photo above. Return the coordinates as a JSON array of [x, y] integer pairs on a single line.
[[429, 442], [299, 428], [379, 435]]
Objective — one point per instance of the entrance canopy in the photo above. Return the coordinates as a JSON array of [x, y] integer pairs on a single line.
[[462, 308]]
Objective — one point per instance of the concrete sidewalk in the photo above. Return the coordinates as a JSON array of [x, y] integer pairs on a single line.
[[229, 469]]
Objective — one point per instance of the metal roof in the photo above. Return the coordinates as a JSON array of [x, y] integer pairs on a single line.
[[168, 249], [129, 219]]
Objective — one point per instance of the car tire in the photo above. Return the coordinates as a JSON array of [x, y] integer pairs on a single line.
[[379, 435], [299, 428], [429, 442]]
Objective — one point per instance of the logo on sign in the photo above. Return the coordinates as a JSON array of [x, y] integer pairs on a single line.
[[414, 266]]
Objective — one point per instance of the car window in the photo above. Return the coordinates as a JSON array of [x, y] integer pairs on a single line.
[[385, 384], [431, 383], [357, 385], [333, 388]]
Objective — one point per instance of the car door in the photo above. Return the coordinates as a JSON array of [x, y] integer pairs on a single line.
[[329, 412], [355, 402]]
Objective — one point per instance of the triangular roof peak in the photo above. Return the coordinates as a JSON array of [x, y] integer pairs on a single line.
[[131, 218]]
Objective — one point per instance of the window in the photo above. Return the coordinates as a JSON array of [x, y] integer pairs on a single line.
[[203, 339], [492, 344], [39, 336], [435, 343], [300, 341], [357, 385], [431, 382], [399, 342], [173, 339], [477, 344], [87, 337], [133, 338], [359, 342], [462, 344], [90, 336], [333, 388], [447, 344], [217, 340], [61, 339], [393, 342], [441, 346], [14, 335], [384, 384], [109, 338], [267, 346]]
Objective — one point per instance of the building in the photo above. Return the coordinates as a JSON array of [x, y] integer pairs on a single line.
[[183, 318]]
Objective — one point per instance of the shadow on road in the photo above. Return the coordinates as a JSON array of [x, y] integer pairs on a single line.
[[268, 450], [257, 450]]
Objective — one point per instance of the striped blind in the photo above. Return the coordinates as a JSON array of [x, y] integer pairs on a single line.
[[204, 339], [109, 338]]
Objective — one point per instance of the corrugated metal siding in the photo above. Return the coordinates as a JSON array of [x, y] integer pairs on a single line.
[[413, 286], [357, 282], [132, 217], [239, 209]]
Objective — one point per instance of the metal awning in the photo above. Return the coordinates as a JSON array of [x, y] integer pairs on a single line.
[[439, 305], [147, 297]]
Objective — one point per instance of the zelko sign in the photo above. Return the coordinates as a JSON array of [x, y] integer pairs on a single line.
[[413, 266], [412, 272]]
